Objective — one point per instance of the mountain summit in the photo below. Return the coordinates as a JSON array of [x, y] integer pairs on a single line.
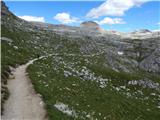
[[89, 24]]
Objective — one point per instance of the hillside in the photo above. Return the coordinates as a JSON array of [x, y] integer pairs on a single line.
[[91, 74]]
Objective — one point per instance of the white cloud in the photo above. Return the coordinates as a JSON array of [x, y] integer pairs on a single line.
[[65, 18], [32, 18], [111, 21], [156, 30], [114, 8], [158, 23]]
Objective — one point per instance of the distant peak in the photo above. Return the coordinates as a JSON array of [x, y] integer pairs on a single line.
[[142, 31], [89, 24]]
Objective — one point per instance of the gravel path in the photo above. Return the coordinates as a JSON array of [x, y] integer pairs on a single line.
[[23, 102]]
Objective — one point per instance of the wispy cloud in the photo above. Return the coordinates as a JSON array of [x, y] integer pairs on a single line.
[[114, 8], [65, 18], [32, 18], [111, 21]]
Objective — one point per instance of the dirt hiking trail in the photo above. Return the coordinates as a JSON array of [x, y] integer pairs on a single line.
[[23, 102]]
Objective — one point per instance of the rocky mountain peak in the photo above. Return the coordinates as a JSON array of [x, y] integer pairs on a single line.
[[4, 9], [89, 24]]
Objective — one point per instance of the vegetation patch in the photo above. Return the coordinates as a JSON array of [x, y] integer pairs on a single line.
[[75, 82]]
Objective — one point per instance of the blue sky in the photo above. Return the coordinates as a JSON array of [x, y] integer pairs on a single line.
[[136, 14]]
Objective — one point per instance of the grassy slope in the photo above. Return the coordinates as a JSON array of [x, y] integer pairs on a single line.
[[19, 51], [26, 45], [86, 97], [81, 94], [13, 53]]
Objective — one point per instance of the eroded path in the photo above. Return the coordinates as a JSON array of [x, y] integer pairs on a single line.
[[23, 102]]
